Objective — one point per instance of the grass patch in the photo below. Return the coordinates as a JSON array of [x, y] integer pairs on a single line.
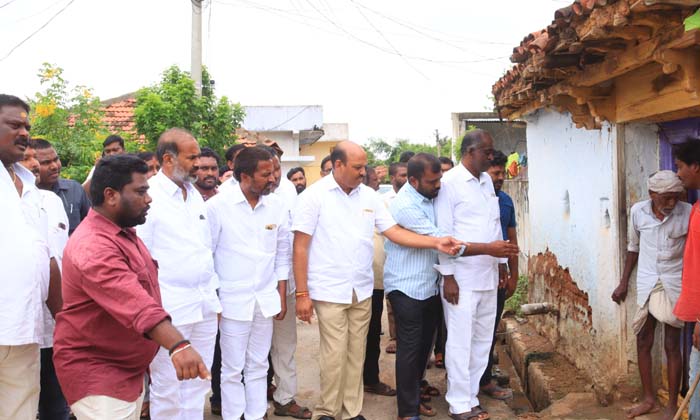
[[519, 297]]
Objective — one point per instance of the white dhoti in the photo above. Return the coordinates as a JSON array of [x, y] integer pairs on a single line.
[[658, 305], [170, 398], [244, 349], [470, 333], [284, 344]]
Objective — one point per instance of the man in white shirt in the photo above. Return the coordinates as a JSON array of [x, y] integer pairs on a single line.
[[284, 334], [24, 259], [230, 155], [467, 207], [657, 233], [176, 233], [52, 403], [333, 272], [252, 261]]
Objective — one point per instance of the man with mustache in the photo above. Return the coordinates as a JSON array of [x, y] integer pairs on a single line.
[[657, 234], [207, 173], [176, 233], [52, 403], [112, 322], [467, 207], [252, 261], [298, 177], [24, 258], [75, 200], [333, 272]]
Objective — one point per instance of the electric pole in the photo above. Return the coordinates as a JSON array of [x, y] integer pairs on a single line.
[[196, 63]]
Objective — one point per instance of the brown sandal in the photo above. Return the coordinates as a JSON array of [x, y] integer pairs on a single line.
[[426, 410], [380, 388], [292, 409]]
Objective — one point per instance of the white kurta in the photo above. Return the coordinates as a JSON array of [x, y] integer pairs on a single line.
[[467, 208], [660, 244]]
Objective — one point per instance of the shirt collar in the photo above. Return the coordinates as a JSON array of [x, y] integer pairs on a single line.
[[468, 175], [103, 224], [170, 187], [414, 193], [647, 208], [332, 184], [25, 175], [239, 197]]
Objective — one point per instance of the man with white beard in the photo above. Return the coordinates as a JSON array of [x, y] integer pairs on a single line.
[[177, 234]]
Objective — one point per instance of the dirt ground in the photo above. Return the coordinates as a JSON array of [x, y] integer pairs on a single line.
[[580, 406], [375, 407]]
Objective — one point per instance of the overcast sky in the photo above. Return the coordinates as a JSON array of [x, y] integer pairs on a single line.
[[389, 68]]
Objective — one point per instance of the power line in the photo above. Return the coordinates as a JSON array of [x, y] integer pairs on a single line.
[[389, 42], [289, 119], [7, 4], [37, 31]]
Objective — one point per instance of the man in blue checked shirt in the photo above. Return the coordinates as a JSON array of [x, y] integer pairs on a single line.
[[411, 282]]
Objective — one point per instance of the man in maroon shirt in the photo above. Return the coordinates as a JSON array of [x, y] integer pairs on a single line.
[[112, 322]]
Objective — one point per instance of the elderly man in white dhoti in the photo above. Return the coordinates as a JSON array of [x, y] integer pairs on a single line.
[[657, 235]]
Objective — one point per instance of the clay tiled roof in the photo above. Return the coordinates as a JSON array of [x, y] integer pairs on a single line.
[[119, 114], [586, 35]]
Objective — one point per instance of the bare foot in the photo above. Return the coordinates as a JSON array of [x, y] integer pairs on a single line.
[[645, 407], [669, 412]]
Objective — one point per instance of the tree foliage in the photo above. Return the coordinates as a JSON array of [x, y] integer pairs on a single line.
[[381, 152], [71, 119], [173, 103]]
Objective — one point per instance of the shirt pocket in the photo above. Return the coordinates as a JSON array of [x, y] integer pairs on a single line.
[[269, 238], [367, 218]]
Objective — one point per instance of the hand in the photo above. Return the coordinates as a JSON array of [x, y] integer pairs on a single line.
[[511, 285], [620, 293], [280, 316], [502, 249], [450, 290], [304, 308], [502, 276], [189, 365], [448, 245], [696, 336]]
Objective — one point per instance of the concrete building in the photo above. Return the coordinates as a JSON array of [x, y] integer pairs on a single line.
[[508, 136], [289, 126], [333, 134], [605, 91]]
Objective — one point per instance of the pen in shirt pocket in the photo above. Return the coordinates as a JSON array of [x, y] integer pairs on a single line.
[[71, 208]]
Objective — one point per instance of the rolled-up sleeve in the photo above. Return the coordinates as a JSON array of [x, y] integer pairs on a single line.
[[633, 233], [116, 288]]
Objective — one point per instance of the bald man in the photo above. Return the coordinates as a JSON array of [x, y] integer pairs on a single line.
[[333, 224], [177, 234]]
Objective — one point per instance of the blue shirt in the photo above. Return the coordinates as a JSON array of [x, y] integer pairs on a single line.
[[505, 203], [410, 270]]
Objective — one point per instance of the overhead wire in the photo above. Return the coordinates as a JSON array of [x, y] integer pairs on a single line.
[[37, 30], [7, 4], [389, 42]]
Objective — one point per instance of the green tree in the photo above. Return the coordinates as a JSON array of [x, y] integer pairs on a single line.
[[173, 102], [381, 152], [71, 119]]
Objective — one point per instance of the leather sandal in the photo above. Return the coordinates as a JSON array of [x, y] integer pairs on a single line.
[[292, 409], [380, 388], [426, 410]]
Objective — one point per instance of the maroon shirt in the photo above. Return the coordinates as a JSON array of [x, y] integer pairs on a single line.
[[110, 300]]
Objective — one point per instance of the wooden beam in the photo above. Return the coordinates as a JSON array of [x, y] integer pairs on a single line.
[[637, 98], [618, 64]]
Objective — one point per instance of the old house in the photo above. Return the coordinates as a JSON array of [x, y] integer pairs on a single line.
[[606, 89]]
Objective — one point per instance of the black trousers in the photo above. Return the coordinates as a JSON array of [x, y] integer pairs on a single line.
[[52, 403], [416, 321], [215, 398], [440, 333], [487, 376], [370, 372]]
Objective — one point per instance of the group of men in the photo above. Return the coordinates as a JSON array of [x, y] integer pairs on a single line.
[[174, 264]]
